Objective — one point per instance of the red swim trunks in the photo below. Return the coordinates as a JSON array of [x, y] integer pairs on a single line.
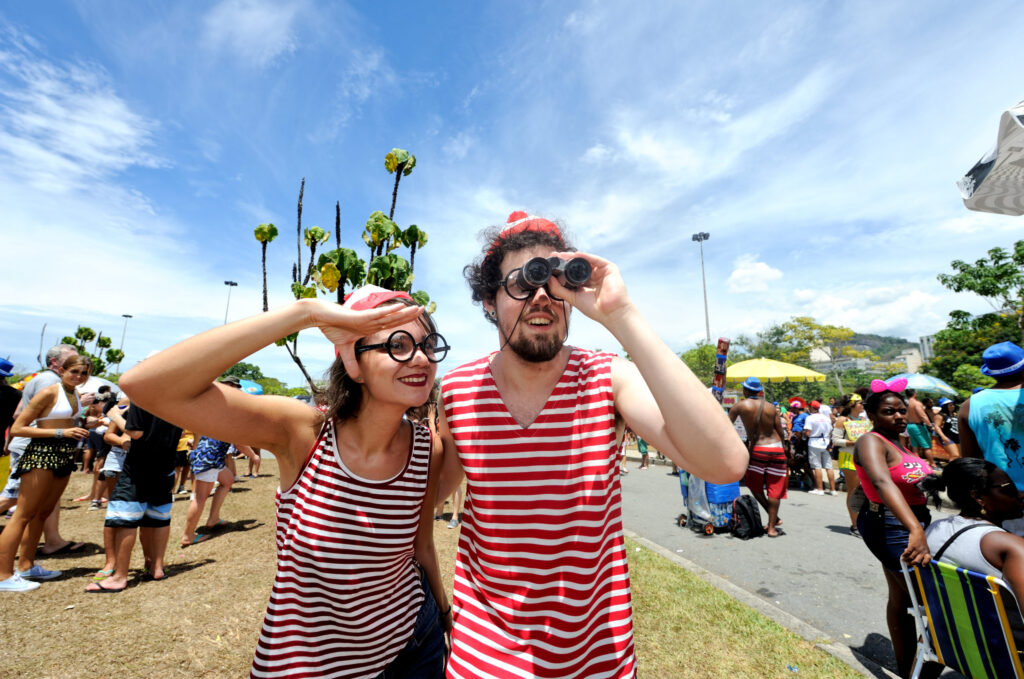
[[768, 472]]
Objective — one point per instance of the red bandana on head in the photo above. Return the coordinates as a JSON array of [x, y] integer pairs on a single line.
[[519, 222]]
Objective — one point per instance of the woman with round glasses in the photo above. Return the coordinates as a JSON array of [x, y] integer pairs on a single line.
[[358, 589]]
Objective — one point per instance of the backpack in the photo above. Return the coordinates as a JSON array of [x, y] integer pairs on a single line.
[[746, 518]]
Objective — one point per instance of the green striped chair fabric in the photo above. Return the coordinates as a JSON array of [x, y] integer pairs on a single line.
[[965, 620]]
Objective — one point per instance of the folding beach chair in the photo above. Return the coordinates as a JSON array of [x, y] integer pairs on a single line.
[[965, 620]]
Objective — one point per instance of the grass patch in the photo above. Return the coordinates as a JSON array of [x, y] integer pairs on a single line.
[[204, 619], [684, 627]]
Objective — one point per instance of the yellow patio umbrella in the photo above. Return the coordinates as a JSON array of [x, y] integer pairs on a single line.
[[767, 370]]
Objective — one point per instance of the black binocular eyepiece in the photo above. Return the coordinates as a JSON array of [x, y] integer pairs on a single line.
[[537, 271]]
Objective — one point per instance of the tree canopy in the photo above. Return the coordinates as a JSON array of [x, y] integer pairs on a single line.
[[999, 279]]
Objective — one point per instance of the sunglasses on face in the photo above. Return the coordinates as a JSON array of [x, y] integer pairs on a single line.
[[1009, 488], [401, 347]]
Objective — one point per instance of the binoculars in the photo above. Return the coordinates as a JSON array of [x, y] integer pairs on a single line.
[[536, 272]]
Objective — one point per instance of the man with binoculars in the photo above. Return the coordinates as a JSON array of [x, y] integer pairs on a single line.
[[541, 580]]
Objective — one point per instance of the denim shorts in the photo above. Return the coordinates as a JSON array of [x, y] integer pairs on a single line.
[[425, 654], [885, 535]]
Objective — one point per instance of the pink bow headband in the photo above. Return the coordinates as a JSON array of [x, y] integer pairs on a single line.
[[896, 384]]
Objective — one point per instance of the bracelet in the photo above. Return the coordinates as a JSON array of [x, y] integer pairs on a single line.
[[59, 434], [447, 612]]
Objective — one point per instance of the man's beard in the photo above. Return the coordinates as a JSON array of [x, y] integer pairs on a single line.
[[535, 350]]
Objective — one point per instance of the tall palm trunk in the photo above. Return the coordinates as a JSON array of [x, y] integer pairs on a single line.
[[264, 246]]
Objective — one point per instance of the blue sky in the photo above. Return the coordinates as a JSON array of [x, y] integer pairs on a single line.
[[818, 144]]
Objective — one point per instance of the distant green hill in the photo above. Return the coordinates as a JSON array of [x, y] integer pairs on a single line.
[[886, 348]]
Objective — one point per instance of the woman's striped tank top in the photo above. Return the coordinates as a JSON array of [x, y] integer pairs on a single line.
[[541, 580], [347, 591]]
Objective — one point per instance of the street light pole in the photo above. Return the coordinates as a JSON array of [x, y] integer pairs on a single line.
[[124, 331], [700, 237], [230, 284]]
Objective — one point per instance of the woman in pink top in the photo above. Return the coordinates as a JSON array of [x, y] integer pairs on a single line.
[[893, 519], [358, 591]]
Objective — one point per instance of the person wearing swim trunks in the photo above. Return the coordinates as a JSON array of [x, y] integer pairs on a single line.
[[919, 427], [141, 499], [767, 474]]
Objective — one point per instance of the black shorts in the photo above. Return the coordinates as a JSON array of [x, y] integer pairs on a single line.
[[181, 458], [142, 502], [94, 441]]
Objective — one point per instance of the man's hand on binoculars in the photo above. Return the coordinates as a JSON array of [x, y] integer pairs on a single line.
[[603, 298]]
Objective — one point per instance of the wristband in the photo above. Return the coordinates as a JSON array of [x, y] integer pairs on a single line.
[[59, 434], [446, 612]]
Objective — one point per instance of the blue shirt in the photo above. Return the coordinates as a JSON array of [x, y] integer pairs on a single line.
[[996, 418], [798, 423], [209, 454]]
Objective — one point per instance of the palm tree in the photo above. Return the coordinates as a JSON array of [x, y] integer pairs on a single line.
[[414, 237], [264, 234]]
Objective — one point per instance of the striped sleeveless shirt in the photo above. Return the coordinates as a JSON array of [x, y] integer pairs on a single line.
[[347, 590], [541, 579]]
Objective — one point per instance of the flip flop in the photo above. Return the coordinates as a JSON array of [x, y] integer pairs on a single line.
[[102, 590], [195, 541], [68, 548], [216, 526], [102, 575]]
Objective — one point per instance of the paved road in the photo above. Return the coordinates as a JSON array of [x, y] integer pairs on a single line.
[[817, 571]]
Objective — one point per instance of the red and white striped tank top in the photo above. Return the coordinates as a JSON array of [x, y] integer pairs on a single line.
[[541, 580], [347, 591]]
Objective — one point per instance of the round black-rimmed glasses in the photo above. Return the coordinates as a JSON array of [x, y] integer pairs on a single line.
[[401, 347]]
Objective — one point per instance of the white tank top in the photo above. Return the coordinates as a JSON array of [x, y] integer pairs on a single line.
[[62, 408], [965, 551]]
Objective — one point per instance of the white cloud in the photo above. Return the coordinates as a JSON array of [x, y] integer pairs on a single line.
[[62, 126], [254, 31], [750, 275], [458, 146]]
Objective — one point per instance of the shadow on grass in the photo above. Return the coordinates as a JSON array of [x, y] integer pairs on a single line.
[[240, 526], [90, 549]]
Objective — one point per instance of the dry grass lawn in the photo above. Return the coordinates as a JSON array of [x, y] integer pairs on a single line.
[[203, 620]]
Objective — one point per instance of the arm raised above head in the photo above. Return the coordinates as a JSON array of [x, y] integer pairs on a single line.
[[178, 384]]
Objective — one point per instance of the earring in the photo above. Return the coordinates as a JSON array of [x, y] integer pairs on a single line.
[[492, 314], [983, 512]]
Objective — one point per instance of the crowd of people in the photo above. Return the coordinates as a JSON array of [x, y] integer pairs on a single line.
[[56, 430], [883, 438], [536, 424]]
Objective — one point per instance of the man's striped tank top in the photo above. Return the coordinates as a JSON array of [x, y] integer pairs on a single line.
[[541, 580], [347, 591]]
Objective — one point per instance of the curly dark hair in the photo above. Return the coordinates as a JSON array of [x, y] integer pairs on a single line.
[[343, 396], [484, 274]]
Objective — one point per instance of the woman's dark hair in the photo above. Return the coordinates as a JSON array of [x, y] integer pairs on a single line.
[[343, 396], [484, 275], [964, 479], [875, 399]]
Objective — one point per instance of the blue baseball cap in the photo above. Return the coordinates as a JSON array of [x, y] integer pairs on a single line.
[[1005, 358], [752, 384], [944, 401], [6, 368], [977, 389]]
